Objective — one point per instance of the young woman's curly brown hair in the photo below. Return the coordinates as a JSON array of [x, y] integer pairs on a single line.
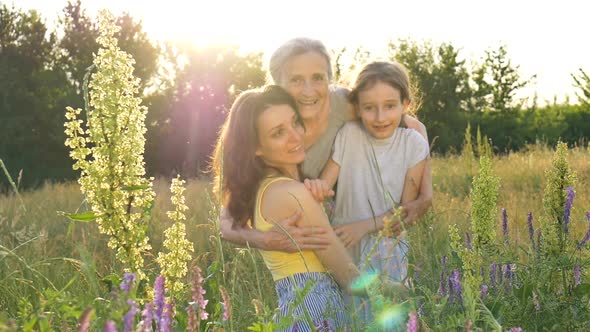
[[237, 169]]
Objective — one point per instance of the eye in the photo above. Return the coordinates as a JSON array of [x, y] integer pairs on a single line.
[[318, 77], [296, 80], [368, 108], [278, 133]]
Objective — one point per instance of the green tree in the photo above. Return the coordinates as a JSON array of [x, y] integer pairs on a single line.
[[33, 95], [497, 81], [442, 81], [582, 82]]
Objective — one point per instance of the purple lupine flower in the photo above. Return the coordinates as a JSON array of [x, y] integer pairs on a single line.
[[110, 326], [159, 297], [467, 241], [127, 282], [455, 282], [147, 315], [529, 222], [509, 276], [129, 317], [568, 207], [165, 324], [493, 271], [198, 296], [505, 225], [577, 275], [587, 237], [500, 274], [192, 318], [412, 325], [225, 304], [484, 291]]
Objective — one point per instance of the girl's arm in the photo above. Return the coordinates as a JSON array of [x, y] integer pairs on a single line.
[[330, 173], [414, 209], [282, 199]]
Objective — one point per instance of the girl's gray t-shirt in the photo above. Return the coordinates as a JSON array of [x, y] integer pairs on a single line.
[[372, 171]]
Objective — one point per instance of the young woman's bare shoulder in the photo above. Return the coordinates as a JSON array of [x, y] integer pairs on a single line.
[[282, 198]]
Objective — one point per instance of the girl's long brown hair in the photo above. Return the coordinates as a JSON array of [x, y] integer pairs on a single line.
[[237, 169]]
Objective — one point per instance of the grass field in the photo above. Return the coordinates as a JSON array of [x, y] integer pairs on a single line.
[[53, 268]]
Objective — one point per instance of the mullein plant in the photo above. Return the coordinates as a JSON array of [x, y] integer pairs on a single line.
[[108, 150], [174, 263]]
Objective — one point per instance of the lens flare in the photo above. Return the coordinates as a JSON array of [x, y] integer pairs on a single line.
[[391, 316]]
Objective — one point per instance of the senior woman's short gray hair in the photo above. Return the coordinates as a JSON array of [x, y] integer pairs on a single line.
[[293, 48]]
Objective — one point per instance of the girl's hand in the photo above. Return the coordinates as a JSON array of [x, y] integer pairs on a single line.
[[351, 234], [319, 189]]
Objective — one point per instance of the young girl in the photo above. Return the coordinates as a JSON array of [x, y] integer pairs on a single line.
[[256, 164], [378, 166]]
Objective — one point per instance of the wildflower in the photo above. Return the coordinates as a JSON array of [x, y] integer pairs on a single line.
[[198, 296], [127, 282], [468, 324], [110, 326], [515, 329], [484, 196], [493, 271], [258, 307], [225, 304], [165, 324], [577, 275], [587, 237], [509, 275], [455, 284], [109, 153], [192, 318], [147, 314], [467, 241], [505, 225], [568, 206], [159, 297], [129, 317], [412, 325], [484, 291], [500, 275], [529, 222], [174, 262]]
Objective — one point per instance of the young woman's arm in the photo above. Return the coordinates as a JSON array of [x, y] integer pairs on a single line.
[[278, 238], [283, 199]]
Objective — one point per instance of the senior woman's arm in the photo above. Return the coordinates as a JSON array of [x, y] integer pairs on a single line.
[[414, 209], [286, 236]]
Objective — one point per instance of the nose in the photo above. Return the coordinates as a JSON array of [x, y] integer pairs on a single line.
[[380, 114], [307, 87]]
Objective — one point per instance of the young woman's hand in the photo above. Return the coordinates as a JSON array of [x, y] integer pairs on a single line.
[[319, 189]]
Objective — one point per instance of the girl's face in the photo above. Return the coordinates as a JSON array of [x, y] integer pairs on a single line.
[[280, 137], [305, 77], [380, 109]]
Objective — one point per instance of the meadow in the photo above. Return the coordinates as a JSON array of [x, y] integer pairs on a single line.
[[52, 269]]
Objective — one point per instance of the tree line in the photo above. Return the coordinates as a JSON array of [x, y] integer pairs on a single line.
[[188, 91]]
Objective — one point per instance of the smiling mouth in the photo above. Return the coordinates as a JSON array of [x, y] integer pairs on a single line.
[[296, 149], [381, 127], [308, 103]]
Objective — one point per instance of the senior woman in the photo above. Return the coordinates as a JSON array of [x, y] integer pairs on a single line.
[[302, 66]]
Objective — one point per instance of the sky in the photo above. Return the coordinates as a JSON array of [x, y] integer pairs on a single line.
[[546, 39]]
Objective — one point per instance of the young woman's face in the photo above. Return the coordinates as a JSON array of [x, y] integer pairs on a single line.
[[280, 136], [380, 109], [305, 77]]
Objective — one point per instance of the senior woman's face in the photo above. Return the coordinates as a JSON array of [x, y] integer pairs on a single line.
[[305, 77]]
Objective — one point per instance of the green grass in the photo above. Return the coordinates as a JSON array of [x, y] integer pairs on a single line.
[[47, 262]]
